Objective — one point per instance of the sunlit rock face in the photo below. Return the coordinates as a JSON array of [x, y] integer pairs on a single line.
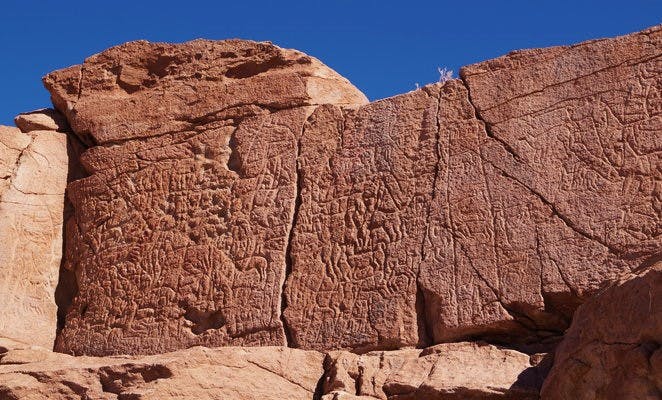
[[435, 244], [34, 166]]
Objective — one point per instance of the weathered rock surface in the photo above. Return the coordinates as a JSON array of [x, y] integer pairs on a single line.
[[410, 231], [198, 373], [582, 125], [33, 178], [549, 193], [141, 89], [365, 185], [180, 230], [446, 371], [46, 119], [613, 348], [499, 262], [237, 194], [487, 207]]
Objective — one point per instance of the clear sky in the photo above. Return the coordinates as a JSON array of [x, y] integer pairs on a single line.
[[383, 47]]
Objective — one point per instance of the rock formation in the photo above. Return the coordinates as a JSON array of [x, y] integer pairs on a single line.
[[182, 226], [448, 371], [197, 373], [365, 181], [612, 350], [553, 195], [435, 244], [33, 177], [445, 371]]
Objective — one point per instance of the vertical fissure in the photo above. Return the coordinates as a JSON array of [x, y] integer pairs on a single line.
[[424, 329], [67, 284], [289, 339]]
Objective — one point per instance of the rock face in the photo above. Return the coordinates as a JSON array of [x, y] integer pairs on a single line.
[[447, 213], [33, 178], [233, 193], [365, 184], [612, 350], [495, 257], [197, 373], [554, 196], [181, 228], [446, 371], [582, 124]]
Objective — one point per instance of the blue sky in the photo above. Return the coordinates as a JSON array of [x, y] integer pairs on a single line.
[[383, 47]]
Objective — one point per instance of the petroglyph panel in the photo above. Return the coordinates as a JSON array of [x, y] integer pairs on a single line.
[[584, 126], [365, 186], [180, 240], [181, 228], [500, 261], [486, 207]]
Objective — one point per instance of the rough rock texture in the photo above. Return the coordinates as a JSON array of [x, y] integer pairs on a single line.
[[28, 372], [33, 178], [551, 197], [237, 194], [498, 261], [613, 348], [446, 371], [46, 119], [365, 184], [484, 207], [582, 124], [411, 231], [142, 89], [180, 230]]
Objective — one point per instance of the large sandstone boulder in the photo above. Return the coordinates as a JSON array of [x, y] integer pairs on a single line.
[[142, 89], [180, 231], [221, 172], [613, 348], [28, 372], [446, 371], [45, 119], [33, 178]]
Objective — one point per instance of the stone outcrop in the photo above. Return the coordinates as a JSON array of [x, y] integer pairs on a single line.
[[33, 178], [186, 214], [547, 189], [197, 373], [45, 119], [218, 168], [445, 371], [233, 193], [497, 259], [612, 350]]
